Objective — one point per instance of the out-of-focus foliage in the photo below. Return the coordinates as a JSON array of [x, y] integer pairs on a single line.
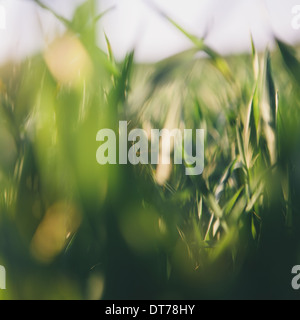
[[72, 229]]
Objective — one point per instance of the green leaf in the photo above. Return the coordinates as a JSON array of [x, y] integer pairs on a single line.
[[255, 197], [230, 204], [110, 52], [199, 45], [271, 91], [213, 205], [82, 17], [253, 228], [251, 129], [241, 146], [118, 95], [289, 57], [228, 172], [66, 22], [102, 14], [269, 109]]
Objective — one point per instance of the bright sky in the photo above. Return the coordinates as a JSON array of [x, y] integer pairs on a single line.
[[227, 25]]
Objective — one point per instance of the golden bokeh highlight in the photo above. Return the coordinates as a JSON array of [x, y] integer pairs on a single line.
[[54, 232], [68, 60]]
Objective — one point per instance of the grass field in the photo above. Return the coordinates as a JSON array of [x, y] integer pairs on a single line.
[[72, 229]]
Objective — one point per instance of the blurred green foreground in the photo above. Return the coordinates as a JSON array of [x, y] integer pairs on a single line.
[[72, 229]]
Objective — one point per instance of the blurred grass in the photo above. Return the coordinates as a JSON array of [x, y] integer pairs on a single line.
[[71, 229]]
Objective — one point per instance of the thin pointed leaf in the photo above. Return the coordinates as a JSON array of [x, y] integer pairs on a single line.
[[66, 22], [271, 90], [217, 60], [255, 197], [212, 203], [109, 48], [102, 14], [289, 57], [230, 204]]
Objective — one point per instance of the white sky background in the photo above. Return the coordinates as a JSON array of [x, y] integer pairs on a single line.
[[227, 25]]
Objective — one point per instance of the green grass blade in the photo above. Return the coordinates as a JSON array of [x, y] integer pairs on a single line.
[[289, 57]]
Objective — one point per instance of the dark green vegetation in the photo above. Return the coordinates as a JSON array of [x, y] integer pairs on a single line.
[[71, 229]]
